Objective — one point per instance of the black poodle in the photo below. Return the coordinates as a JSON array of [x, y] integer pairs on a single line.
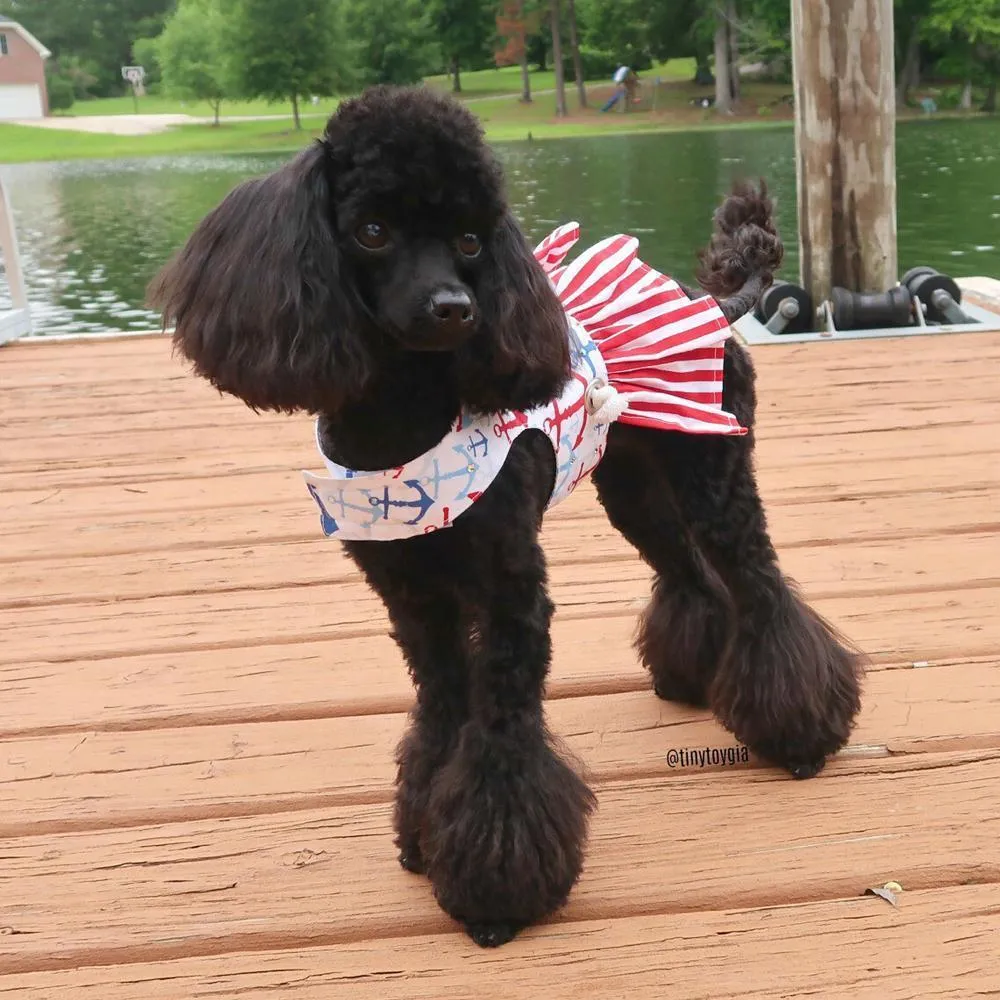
[[380, 282]]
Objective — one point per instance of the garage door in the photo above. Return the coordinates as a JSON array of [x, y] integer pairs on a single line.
[[20, 100]]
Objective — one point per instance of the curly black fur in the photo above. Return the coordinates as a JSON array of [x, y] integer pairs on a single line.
[[287, 297]]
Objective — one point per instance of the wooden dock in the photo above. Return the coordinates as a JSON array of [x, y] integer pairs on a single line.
[[200, 704]]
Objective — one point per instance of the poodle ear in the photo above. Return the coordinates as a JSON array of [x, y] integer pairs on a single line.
[[520, 356], [257, 297]]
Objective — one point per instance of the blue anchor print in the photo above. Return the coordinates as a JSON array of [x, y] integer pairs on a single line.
[[585, 354], [564, 470], [423, 502], [328, 523], [482, 442]]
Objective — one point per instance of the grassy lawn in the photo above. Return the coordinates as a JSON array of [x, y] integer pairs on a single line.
[[23, 143], [154, 104], [483, 83], [507, 79], [492, 94]]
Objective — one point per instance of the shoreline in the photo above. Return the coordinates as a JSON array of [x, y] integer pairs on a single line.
[[42, 145]]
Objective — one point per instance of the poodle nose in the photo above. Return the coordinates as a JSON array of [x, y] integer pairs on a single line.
[[452, 311]]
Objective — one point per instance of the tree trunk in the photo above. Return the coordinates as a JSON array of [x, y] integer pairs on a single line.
[[909, 75], [456, 76], [845, 132], [216, 105], [723, 87], [734, 51], [525, 75], [703, 69], [295, 111], [965, 101], [561, 109], [574, 44], [990, 103]]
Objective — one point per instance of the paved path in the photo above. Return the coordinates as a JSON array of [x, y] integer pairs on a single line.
[[143, 124]]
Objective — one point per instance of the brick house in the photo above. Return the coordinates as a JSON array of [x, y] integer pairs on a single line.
[[23, 93]]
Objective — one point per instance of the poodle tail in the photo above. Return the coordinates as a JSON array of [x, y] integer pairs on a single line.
[[738, 266]]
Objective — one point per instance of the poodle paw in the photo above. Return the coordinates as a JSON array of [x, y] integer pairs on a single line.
[[492, 935], [682, 639], [680, 690], [505, 831], [411, 860], [792, 691]]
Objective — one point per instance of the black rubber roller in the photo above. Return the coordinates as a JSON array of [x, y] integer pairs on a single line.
[[924, 283], [871, 310], [770, 303]]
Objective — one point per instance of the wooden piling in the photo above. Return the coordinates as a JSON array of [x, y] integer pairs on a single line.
[[845, 124]]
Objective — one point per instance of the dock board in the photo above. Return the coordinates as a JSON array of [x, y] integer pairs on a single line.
[[200, 704]]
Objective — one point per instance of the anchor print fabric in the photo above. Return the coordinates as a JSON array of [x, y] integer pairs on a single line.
[[628, 326]]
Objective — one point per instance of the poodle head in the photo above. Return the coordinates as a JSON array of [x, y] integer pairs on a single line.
[[391, 234]]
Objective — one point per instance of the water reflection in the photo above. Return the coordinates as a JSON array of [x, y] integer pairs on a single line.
[[92, 234]]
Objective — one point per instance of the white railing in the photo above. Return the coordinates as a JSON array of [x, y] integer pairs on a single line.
[[14, 322]]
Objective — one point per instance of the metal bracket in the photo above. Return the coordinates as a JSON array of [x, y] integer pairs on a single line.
[[15, 322], [977, 320]]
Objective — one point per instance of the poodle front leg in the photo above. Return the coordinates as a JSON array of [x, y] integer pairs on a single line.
[[507, 817], [430, 626], [435, 649]]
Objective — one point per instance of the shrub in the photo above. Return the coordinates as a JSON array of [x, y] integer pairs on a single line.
[[61, 94], [601, 65]]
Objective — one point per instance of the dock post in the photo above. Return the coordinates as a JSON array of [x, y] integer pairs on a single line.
[[845, 135]]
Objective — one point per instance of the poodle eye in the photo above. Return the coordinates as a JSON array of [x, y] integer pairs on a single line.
[[372, 236], [470, 245]]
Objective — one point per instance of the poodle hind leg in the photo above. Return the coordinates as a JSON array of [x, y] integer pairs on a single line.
[[788, 687], [687, 627]]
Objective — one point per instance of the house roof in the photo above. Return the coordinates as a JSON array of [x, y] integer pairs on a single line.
[[10, 25]]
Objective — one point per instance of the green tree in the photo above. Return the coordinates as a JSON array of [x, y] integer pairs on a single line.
[[517, 23], [98, 33], [975, 24], [191, 54], [146, 52], [465, 31], [287, 50], [619, 27], [393, 40]]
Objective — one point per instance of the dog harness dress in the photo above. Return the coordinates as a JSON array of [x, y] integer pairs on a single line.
[[641, 351]]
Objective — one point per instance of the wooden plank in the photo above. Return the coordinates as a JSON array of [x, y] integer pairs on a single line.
[[938, 943], [329, 875], [779, 419], [885, 624], [99, 520], [277, 474], [88, 780], [99, 527], [255, 448], [221, 665], [314, 679], [787, 412], [940, 562], [131, 358]]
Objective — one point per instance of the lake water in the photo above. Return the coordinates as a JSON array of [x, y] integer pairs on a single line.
[[92, 234]]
